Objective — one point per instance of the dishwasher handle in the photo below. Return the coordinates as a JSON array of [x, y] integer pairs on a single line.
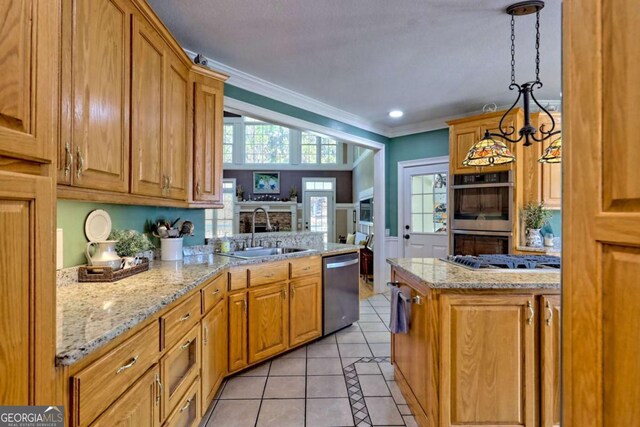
[[343, 263]]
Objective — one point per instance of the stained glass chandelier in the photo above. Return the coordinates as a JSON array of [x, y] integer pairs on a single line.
[[490, 151]]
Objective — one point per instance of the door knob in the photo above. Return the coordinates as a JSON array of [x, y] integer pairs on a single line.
[[407, 236], [406, 227]]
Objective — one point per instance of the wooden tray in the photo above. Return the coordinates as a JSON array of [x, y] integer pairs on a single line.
[[106, 274]]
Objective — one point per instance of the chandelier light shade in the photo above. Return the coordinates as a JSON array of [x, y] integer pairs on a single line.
[[488, 152], [528, 133], [553, 153]]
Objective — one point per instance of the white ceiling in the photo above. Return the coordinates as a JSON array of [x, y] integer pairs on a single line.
[[433, 59]]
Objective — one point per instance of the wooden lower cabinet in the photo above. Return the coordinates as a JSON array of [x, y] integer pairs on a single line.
[[139, 406], [488, 360], [305, 315], [550, 344], [268, 321], [214, 352], [237, 331], [187, 412]]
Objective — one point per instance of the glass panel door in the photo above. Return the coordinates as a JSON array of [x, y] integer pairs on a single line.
[[319, 213]]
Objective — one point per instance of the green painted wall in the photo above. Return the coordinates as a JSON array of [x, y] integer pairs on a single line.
[[72, 214], [555, 224], [282, 108], [410, 147]]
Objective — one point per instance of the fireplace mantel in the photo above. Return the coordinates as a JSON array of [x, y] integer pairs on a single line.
[[272, 207]]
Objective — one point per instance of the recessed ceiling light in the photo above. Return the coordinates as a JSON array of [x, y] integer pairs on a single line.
[[396, 114]]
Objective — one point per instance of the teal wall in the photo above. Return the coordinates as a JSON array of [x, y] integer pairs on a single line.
[[282, 108], [410, 147], [72, 214], [555, 224]]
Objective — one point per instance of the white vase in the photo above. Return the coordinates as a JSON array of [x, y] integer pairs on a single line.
[[534, 238], [171, 249]]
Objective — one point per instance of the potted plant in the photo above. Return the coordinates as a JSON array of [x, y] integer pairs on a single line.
[[535, 217], [239, 192], [130, 243], [293, 193]]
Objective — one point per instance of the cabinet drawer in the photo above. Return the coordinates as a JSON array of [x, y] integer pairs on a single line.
[[273, 272], [118, 369], [213, 292], [305, 267], [187, 413], [177, 322], [180, 366], [237, 278]]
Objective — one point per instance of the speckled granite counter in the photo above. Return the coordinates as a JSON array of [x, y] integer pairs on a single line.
[[439, 274], [89, 315]]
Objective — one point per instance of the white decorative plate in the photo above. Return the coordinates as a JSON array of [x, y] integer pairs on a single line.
[[97, 227]]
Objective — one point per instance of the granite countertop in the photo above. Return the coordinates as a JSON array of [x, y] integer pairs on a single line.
[[89, 315], [438, 274]]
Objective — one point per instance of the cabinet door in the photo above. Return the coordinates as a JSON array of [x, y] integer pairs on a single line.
[[147, 98], [487, 360], [29, 31], [407, 348], [542, 181], [214, 352], [175, 150], [27, 287], [462, 139], [268, 321], [95, 152], [305, 310], [550, 323], [237, 331], [207, 144], [552, 185], [140, 406]]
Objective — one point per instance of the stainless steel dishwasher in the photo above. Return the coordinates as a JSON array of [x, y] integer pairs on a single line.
[[341, 290]]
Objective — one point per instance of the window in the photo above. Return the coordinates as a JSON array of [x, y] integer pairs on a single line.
[[429, 203], [227, 143], [266, 143], [317, 149], [219, 222]]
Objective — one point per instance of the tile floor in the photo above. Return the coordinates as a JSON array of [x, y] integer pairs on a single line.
[[344, 379]]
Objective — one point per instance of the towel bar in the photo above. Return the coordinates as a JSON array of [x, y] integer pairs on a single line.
[[415, 300]]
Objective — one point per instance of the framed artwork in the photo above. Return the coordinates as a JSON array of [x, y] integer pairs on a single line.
[[266, 183]]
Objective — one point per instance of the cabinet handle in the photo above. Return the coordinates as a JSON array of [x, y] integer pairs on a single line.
[[206, 333], [244, 305], [80, 166], [68, 159], [128, 365], [169, 182], [186, 405], [186, 344], [160, 389], [217, 291], [549, 313], [293, 292], [198, 187], [532, 313], [185, 317], [284, 294]]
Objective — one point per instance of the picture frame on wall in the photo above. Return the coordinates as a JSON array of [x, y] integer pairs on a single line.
[[266, 183]]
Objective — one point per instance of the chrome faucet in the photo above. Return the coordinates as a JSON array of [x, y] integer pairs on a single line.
[[253, 224]]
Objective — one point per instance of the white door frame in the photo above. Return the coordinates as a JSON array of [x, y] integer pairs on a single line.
[[379, 182], [406, 164], [331, 232]]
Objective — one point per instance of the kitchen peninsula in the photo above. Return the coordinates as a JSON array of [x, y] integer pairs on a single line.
[[483, 346]]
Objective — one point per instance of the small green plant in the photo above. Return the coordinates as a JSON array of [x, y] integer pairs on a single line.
[[535, 216], [130, 242], [293, 193], [239, 191]]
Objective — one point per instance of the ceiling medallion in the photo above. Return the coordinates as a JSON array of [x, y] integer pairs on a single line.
[[495, 152]]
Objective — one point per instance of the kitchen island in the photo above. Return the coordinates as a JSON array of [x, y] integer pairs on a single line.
[[483, 346]]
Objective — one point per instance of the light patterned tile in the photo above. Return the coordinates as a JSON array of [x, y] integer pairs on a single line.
[[351, 337], [322, 350], [297, 353], [261, 370], [324, 366], [378, 326], [367, 369], [377, 337], [381, 350], [284, 388], [369, 318], [373, 385], [396, 393], [404, 410], [383, 411], [288, 367], [387, 370], [234, 413], [326, 386], [354, 350], [329, 412], [244, 388], [281, 413], [410, 421]]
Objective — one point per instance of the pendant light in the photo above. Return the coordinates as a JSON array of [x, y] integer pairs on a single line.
[[490, 151]]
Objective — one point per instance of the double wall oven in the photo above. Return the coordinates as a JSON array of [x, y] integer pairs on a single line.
[[482, 217]]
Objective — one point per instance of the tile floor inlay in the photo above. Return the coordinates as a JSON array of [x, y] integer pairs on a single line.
[[325, 383]]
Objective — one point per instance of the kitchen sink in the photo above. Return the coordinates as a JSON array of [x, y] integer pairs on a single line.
[[263, 252]]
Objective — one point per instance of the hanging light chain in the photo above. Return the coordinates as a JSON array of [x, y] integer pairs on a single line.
[[513, 49], [537, 46]]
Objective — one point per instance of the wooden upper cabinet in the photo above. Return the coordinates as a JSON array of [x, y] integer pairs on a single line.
[[305, 310], [268, 321], [176, 147], [147, 99], [28, 88], [94, 139], [463, 133], [488, 360], [207, 143], [550, 344]]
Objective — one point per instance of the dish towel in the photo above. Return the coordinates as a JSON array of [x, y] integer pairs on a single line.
[[400, 312]]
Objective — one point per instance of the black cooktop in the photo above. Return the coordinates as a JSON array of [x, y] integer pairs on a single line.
[[511, 262]]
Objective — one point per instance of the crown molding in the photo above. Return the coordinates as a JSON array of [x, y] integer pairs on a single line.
[[262, 87]]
